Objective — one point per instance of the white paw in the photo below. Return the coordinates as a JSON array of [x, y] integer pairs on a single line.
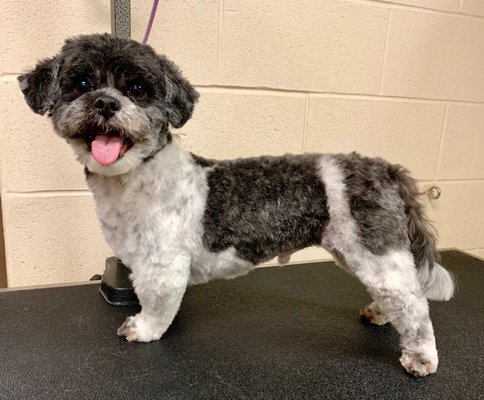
[[418, 364], [374, 314], [139, 329]]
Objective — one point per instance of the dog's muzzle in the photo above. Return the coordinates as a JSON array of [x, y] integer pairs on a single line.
[[107, 106]]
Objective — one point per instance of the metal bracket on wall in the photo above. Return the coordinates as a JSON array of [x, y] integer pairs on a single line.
[[434, 192], [121, 18]]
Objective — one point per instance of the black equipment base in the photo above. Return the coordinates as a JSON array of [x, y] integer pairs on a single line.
[[116, 287], [278, 333]]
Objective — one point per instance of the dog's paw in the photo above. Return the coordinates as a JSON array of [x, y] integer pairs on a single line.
[[372, 313], [418, 364], [138, 329]]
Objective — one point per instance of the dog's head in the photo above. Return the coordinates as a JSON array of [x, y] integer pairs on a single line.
[[112, 99]]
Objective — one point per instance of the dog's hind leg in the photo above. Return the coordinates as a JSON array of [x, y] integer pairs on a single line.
[[374, 314], [160, 289], [367, 231], [391, 280]]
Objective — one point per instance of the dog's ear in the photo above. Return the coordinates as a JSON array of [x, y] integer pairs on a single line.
[[39, 86], [180, 96]]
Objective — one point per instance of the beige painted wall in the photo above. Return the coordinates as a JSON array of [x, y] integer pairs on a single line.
[[404, 81]]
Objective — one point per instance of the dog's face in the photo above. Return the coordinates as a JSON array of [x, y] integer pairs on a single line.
[[111, 99]]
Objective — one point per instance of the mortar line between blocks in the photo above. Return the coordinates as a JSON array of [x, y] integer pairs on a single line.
[[385, 51], [307, 104], [473, 248], [424, 10], [8, 77], [359, 96], [468, 180], [441, 142], [47, 193]]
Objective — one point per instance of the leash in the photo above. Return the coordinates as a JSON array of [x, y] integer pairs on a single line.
[[150, 21]]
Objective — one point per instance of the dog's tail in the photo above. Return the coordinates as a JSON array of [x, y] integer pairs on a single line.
[[437, 283]]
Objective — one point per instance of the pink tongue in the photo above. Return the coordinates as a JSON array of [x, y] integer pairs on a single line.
[[105, 149]]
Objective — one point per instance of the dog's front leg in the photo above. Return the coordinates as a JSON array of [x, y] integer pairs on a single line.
[[160, 289]]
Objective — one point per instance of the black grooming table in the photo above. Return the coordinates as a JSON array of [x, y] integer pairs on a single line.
[[279, 333]]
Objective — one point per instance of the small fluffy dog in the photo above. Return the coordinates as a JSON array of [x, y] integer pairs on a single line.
[[177, 219]]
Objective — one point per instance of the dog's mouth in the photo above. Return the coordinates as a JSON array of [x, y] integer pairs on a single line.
[[107, 146]]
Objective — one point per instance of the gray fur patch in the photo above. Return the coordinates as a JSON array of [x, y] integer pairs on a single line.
[[264, 206], [375, 202]]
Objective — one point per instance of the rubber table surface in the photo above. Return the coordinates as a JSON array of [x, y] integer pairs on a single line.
[[291, 333]]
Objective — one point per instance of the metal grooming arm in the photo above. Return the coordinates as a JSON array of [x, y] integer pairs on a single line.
[[121, 18]]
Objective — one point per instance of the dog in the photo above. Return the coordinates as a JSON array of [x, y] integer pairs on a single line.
[[177, 219]]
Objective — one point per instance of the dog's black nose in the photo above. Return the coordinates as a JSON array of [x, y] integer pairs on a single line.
[[107, 106]]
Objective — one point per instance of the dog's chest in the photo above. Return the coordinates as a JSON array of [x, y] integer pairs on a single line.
[[146, 220], [151, 221]]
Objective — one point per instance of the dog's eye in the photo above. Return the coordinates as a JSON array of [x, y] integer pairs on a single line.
[[84, 86], [137, 91]]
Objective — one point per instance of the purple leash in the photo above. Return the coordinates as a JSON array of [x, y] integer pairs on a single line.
[[150, 21]]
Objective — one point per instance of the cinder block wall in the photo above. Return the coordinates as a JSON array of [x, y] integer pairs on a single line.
[[403, 80]]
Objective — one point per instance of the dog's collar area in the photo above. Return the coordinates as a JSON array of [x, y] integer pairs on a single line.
[[169, 139]]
